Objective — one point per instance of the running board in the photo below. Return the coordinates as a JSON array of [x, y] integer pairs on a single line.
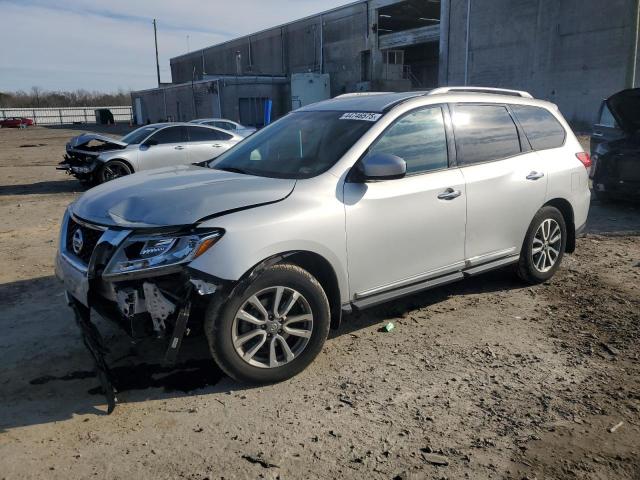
[[395, 293]]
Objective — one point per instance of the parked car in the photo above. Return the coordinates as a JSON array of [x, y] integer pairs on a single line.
[[338, 206], [615, 147], [16, 122], [95, 158], [225, 124]]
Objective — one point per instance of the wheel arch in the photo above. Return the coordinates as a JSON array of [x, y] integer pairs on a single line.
[[125, 161], [316, 265], [565, 208]]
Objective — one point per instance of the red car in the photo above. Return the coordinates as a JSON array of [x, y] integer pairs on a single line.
[[16, 122]]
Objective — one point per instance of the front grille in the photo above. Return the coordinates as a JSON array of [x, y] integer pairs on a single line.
[[90, 237]]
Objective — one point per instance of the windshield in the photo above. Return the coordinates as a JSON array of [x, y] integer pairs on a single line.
[[138, 135], [300, 145]]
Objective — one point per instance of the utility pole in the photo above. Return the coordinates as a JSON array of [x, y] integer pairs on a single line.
[[155, 36]]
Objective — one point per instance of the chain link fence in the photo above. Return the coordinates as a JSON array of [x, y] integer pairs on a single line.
[[67, 115]]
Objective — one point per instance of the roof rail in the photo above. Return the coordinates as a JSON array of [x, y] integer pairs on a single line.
[[496, 91], [360, 94]]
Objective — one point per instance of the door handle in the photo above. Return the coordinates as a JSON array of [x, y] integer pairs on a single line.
[[216, 145], [179, 147], [597, 134], [449, 194], [535, 176]]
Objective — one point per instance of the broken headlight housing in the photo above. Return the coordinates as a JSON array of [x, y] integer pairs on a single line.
[[147, 252]]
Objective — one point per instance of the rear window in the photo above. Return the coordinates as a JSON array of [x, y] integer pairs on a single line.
[[540, 126], [484, 133]]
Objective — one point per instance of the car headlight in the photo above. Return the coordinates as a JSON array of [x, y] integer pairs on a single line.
[[142, 252]]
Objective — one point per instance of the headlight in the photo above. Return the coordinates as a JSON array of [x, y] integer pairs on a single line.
[[149, 252]]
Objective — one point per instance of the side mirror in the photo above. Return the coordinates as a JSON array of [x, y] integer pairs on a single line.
[[383, 166]]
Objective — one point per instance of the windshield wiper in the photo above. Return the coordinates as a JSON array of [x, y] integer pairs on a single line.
[[233, 170]]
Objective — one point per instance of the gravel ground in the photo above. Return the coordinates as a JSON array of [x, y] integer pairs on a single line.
[[483, 379]]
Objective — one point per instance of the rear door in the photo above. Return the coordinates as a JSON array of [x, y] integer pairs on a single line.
[[164, 148], [505, 180], [207, 143]]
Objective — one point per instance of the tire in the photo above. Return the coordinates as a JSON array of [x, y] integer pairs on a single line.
[[112, 170], [226, 331], [537, 266]]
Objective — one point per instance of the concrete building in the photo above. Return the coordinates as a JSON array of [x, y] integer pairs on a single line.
[[572, 52]]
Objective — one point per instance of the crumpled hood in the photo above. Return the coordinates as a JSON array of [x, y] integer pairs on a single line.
[[85, 138], [176, 196], [625, 107]]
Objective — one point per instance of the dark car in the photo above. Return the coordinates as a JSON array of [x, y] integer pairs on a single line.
[[15, 122], [615, 147]]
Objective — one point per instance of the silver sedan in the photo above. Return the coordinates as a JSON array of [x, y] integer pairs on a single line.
[[228, 125], [94, 158]]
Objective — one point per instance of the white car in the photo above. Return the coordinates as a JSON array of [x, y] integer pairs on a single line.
[[338, 206], [95, 158], [225, 124]]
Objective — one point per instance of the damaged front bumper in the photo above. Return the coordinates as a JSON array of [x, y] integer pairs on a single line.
[[161, 303], [73, 168]]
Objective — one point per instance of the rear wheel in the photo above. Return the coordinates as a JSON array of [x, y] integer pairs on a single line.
[[543, 247], [112, 170], [273, 329]]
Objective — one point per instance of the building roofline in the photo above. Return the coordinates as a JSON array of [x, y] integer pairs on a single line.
[[213, 78], [282, 25]]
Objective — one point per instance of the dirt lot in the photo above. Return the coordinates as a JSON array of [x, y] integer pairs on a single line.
[[493, 378]]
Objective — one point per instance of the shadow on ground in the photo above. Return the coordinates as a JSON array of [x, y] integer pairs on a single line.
[[58, 388], [43, 188]]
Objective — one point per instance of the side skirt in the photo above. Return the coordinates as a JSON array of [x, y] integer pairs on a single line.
[[395, 293]]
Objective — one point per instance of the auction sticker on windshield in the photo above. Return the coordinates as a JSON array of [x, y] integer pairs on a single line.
[[367, 117]]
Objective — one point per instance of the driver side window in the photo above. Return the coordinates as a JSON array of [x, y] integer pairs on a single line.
[[419, 138]]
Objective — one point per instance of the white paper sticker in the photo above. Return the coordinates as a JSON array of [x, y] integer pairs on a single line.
[[364, 116]]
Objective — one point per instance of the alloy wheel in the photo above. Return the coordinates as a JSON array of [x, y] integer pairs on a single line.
[[111, 172], [547, 243], [272, 327]]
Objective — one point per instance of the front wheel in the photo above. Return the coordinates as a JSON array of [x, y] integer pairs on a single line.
[[112, 170], [273, 329], [543, 246]]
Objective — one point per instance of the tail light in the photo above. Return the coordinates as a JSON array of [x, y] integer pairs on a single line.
[[585, 158]]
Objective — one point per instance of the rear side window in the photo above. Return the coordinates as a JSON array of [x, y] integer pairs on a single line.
[[606, 117], [484, 133], [419, 138], [201, 134], [540, 126], [169, 135]]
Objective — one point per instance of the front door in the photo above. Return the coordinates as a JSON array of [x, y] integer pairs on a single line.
[[165, 148], [403, 231]]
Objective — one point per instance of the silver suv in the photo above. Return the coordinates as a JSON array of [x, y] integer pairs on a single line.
[[336, 207]]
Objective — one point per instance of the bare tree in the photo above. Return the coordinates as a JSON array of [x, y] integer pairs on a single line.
[[37, 97]]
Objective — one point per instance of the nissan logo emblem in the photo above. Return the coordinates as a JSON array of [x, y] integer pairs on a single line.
[[77, 241]]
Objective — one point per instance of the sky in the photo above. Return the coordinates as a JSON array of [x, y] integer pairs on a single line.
[[108, 45]]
